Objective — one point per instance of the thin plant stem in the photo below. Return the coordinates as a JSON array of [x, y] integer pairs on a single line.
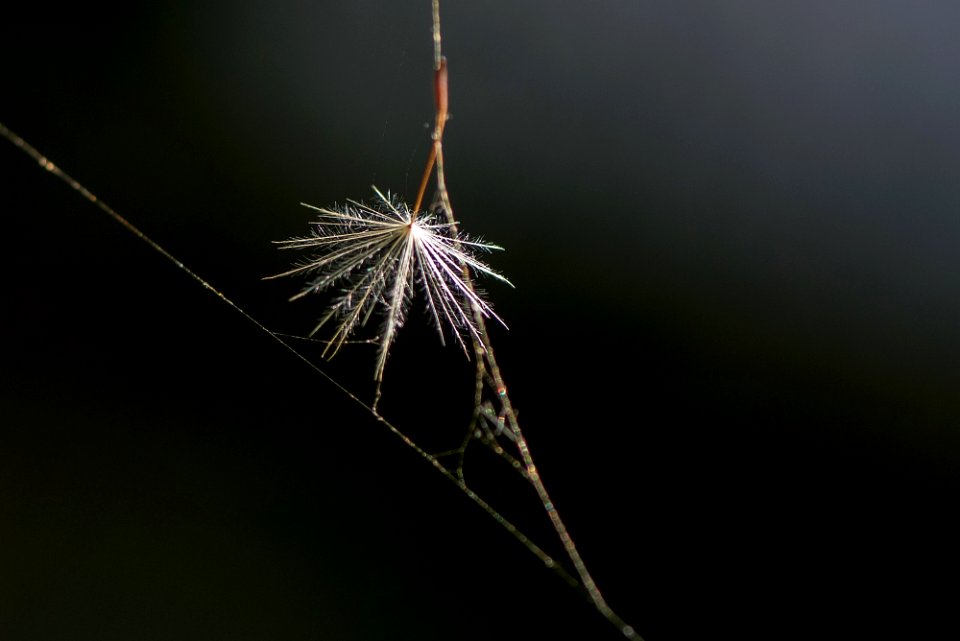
[[440, 93], [486, 361]]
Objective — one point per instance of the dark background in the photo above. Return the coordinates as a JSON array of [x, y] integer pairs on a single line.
[[734, 338]]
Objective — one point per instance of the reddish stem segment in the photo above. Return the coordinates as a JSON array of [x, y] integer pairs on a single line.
[[441, 100]]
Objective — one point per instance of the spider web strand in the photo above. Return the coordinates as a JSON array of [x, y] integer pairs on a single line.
[[49, 166]]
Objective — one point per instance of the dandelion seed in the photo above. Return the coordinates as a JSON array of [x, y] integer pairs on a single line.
[[378, 254]]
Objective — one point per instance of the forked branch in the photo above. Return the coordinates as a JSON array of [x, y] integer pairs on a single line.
[[489, 376]]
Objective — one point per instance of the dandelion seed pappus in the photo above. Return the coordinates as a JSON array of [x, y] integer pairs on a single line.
[[376, 253]]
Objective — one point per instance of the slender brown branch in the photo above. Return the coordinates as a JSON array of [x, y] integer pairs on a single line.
[[487, 364], [441, 101]]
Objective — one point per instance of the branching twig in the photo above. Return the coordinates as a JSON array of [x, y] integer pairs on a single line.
[[486, 361]]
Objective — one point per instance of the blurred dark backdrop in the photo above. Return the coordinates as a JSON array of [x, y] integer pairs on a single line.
[[733, 230]]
